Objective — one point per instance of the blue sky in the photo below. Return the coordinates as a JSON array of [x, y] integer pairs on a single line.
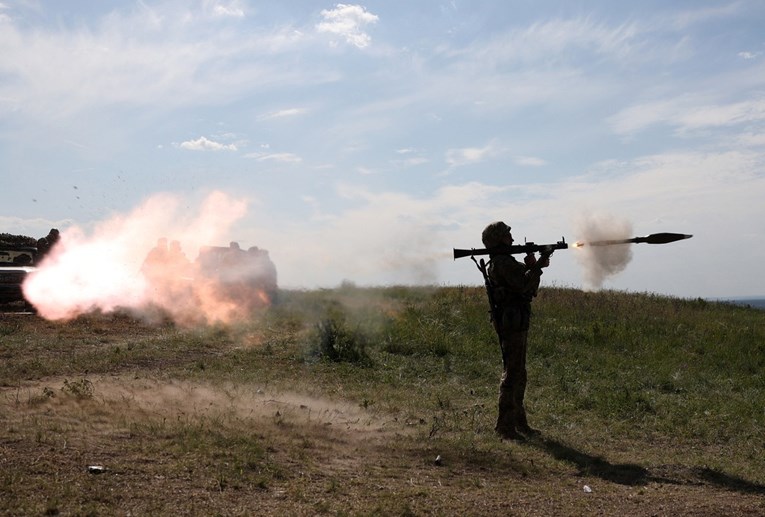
[[369, 139]]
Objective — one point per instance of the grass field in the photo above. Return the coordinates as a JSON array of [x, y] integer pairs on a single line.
[[356, 401]]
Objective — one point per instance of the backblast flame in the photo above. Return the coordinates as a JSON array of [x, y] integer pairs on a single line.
[[104, 272]]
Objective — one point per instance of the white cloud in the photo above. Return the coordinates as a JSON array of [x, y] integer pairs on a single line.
[[749, 55], [470, 155], [232, 8], [204, 144], [348, 21]]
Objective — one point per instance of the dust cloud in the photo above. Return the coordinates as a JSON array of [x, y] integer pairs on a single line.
[[601, 262], [197, 400], [126, 263]]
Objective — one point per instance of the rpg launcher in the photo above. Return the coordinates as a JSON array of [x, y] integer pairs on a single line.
[[529, 247], [547, 249]]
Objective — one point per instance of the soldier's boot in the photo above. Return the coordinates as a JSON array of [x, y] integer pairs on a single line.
[[508, 432], [506, 418], [522, 424]]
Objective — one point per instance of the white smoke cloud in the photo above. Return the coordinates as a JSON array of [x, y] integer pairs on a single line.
[[602, 262]]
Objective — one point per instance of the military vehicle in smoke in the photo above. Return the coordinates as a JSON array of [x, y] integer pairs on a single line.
[[224, 282], [245, 277], [18, 256], [15, 265]]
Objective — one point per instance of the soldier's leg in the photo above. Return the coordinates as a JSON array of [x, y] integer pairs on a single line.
[[506, 410], [507, 417], [519, 393]]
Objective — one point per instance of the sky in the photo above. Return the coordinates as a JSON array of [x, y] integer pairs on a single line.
[[368, 140]]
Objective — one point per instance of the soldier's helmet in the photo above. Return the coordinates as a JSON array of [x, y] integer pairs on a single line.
[[494, 233]]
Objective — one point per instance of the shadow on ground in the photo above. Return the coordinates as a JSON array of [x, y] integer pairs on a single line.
[[633, 474]]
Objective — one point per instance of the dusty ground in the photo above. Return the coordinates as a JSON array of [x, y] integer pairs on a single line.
[[331, 456], [136, 442]]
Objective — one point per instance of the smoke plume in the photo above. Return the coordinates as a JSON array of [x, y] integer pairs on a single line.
[[126, 263], [601, 262]]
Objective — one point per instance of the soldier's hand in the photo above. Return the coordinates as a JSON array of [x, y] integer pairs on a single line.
[[544, 261], [530, 260]]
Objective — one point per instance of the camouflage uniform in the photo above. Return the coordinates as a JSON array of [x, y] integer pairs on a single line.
[[515, 284]]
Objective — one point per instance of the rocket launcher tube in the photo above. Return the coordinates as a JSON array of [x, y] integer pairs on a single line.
[[529, 247]]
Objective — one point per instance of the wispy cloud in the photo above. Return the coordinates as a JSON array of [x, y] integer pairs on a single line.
[[348, 22], [751, 139], [638, 117], [687, 114], [150, 55], [275, 157], [557, 37], [285, 113], [530, 161], [411, 162], [683, 19], [722, 114]]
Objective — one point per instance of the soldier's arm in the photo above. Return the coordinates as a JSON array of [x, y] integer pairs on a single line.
[[516, 277]]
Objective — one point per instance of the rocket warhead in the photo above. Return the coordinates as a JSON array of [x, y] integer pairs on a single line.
[[654, 238], [662, 238]]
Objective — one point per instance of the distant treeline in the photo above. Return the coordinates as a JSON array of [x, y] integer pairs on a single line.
[[758, 303]]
